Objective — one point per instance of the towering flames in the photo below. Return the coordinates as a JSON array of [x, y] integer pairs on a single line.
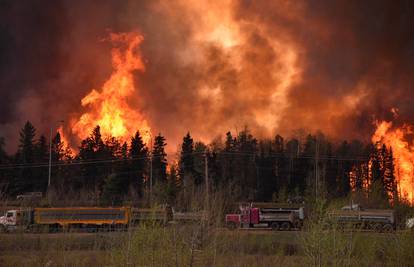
[[109, 108], [403, 152]]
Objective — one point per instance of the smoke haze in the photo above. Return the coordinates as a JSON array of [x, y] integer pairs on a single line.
[[213, 66]]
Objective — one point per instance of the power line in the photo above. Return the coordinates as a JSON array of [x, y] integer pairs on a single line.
[[115, 160]]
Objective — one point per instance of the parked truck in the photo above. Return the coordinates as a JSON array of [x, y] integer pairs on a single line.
[[79, 218], [355, 216], [275, 216]]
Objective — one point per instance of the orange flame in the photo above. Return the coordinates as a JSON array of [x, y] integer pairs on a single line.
[[403, 152], [65, 141], [109, 108]]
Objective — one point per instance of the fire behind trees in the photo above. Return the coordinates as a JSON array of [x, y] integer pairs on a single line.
[[257, 170]]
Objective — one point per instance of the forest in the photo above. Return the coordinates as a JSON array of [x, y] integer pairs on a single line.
[[106, 171]]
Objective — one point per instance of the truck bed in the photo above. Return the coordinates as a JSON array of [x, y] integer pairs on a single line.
[[81, 215]]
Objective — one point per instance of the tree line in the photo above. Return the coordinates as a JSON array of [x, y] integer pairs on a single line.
[[248, 168]]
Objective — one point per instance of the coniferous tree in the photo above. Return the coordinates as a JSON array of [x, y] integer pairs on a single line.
[[376, 190], [186, 164], [116, 184], [4, 173], [172, 185], [344, 169], [138, 162], [296, 181], [159, 160], [375, 166], [25, 177], [280, 166], [227, 159], [92, 153], [200, 154], [215, 169], [41, 156], [58, 157], [266, 172], [307, 166], [331, 173], [245, 172], [389, 177]]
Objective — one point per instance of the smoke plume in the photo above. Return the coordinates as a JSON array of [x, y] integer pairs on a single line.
[[213, 66]]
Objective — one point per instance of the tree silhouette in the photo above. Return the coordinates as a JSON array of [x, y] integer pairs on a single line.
[[159, 159], [138, 162], [26, 176]]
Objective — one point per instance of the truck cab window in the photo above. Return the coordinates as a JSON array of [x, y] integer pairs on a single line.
[[9, 214]]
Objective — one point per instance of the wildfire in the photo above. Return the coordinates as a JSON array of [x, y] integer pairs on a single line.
[[109, 107], [403, 152]]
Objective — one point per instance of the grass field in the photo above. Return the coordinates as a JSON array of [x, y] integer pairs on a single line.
[[191, 245]]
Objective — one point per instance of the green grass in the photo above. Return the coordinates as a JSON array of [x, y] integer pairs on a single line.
[[193, 245]]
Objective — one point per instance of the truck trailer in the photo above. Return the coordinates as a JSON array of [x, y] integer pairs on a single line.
[[55, 219], [354, 216], [80, 218], [277, 217]]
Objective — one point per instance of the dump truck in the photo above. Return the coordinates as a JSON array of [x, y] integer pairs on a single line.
[[79, 218], [355, 216], [162, 215], [56, 219], [266, 215]]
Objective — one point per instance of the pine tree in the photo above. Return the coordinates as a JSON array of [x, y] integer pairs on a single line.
[[159, 160], [200, 150], [138, 162], [26, 176], [58, 148], [375, 166], [172, 185], [331, 173], [377, 190], [41, 156], [4, 173], [227, 158], [92, 149], [245, 171], [186, 163], [344, 169], [27, 144], [307, 167], [266, 172], [280, 165], [389, 177], [295, 179], [116, 184]]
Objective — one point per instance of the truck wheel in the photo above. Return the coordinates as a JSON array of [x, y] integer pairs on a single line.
[[298, 225], [377, 227], [387, 228], [285, 226], [274, 226], [231, 226], [3, 229]]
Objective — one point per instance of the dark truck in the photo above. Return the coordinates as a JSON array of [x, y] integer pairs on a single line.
[[354, 216], [276, 216]]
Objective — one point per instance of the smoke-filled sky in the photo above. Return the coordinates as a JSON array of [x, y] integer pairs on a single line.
[[213, 66]]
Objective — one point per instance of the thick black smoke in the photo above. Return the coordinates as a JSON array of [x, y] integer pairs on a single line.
[[356, 60]]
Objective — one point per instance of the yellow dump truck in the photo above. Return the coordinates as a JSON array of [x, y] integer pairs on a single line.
[[79, 218]]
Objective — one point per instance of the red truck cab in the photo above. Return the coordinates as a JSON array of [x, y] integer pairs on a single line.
[[274, 217]]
